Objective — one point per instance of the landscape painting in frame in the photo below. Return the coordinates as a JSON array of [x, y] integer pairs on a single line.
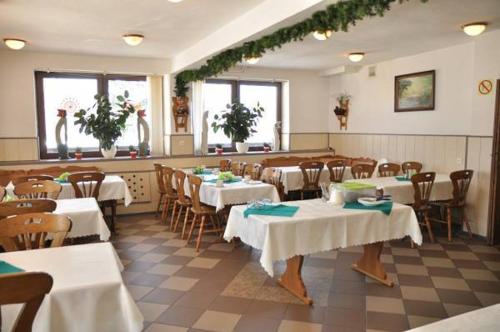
[[415, 92]]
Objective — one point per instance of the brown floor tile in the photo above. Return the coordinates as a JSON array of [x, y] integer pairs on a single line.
[[484, 286], [386, 321], [146, 279], [344, 317], [267, 309], [138, 266], [458, 309], [408, 260], [305, 313], [162, 296], [348, 287], [177, 260], [457, 297], [299, 326], [420, 294], [348, 301], [432, 253], [194, 299], [376, 289], [164, 250], [468, 264], [385, 304], [417, 281], [417, 321], [217, 321], [424, 308], [253, 323], [235, 305], [191, 272], [180, 316], [444, 272]]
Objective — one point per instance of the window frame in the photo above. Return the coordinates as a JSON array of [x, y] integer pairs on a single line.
[[235, 96], [102, 88]]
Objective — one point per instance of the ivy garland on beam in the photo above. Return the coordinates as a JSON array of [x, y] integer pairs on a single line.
[[335, 17]]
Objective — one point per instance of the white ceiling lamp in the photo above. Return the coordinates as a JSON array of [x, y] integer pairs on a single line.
[[14, 44], [133, 39], [322, 35], [356, 57], [474, 29], [175, 1], [252, 60]]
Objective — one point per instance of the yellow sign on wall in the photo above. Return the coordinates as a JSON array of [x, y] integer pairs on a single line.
[[485, 87]]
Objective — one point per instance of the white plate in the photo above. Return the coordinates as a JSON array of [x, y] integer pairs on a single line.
[[370, 201]]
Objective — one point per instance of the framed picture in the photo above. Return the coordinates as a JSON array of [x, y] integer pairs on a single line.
[[415, 92]]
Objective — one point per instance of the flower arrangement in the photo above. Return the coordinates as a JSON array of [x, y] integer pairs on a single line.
[[226, 176]]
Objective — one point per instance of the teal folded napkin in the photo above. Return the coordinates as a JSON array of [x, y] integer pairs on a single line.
[[204, 172], [385, 208], [279, 210], [225, 181], [8, 268], [402, 178]]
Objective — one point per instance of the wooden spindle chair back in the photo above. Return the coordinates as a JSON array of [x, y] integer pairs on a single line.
[[86, 184], [28, 289], [238, 168], [23, 206], [38, 189], [461, 181], [364, 161], [225, 165], [34, 177], [422, 186], [29, 231], [311, 172], [336, 168], [3, 192], [168, 178], [388, 169], [180, 179], [160, 180], [362, 171], [276, 181], [408, 166], [254, 171], [194, 190]]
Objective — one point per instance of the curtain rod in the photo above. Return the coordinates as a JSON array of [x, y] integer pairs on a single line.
[[103, 72]]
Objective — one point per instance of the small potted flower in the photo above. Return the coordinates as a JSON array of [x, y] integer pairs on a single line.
[[132, 151], [267, 147], [218, 149], [78, 153]]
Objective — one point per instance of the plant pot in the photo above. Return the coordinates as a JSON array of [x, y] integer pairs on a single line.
[[109, 154], [242, 147], [78, 155], [133, 154], [219, 151]]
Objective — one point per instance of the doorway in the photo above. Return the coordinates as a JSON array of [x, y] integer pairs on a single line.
[[494, 206]]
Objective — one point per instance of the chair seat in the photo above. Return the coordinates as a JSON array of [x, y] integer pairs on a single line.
[[446, 204], [172, 196], [205, 210], [186, 202]]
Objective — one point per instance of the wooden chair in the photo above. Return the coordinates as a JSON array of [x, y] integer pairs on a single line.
[[2, 192], [388, 169], [283, 161], [86, 184], [161, 187], [225, 165], [58, 170], [24, 206], [27, 178], [28, 289], [254, 171], [238, 168], [336, 169], [38, 189], [182, 202], [276, 180], [311, 172], [6, 176], [362, 171], [29, 231], [202, 213], [170, 192], [422, 186], [408, 166], [364, 161]]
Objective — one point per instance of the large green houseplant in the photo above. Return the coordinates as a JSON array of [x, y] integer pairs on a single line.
[[237, 122], [104, 122]]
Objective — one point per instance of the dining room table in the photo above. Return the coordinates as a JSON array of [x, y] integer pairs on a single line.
[[318, 226], [88, 293]]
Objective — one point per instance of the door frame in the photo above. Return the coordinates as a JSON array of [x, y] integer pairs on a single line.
[[494, 204]]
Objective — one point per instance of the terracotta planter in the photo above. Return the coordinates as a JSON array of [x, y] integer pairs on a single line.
[[78, 155], [133, 154]]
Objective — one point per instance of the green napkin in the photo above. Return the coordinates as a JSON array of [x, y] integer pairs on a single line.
[[385, 208], [279, 210], [225, 181], [8, 268], [357, 186], [402, 178]]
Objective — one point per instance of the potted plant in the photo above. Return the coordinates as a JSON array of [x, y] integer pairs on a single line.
[[132, 151], [267, 148], [343, 100], [105, 123], [218, 149], [78, 153], [237, 122]]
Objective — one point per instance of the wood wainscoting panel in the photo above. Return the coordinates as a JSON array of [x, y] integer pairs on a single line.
[[18, 149]]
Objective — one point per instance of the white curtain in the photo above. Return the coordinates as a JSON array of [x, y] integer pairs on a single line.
[[197, 109], [155, 96]]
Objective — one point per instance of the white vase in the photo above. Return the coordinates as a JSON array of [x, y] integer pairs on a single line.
[[242, 147], [109, 154]]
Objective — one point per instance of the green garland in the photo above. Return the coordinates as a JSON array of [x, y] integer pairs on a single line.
[[335, 17]]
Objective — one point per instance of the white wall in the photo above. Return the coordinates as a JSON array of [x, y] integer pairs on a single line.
[[17, 86]]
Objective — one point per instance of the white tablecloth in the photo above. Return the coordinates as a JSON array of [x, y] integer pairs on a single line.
[[88, 292], [293, 180], [402, 191], [318, 226], [86, 217], [112, 188]]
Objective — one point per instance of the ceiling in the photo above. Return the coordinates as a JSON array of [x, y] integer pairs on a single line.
[[96, 26], [409, 28]]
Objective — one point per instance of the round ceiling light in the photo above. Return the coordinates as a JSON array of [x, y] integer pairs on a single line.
[[322, 35], [175, 1], [15, 44], [252, 60], [356, 57], [133, 39], [474, 29]]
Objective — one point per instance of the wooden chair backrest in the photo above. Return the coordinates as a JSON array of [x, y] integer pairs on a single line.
[[411, 165], [7, 175], [180, 179], [362, 171], [27, 178], [283, 161], [254, 170], [388, 169], [57, 170], [225, 165], [29, 231], [364, 161], [422, 186], [86, 184], [336, 169], [168, 179], [311, 172], [160, 179], [2, 192], [276, 180], [24, 206], [461, 182], [28, 289], [194, 190], [38, 189], [238, 168]]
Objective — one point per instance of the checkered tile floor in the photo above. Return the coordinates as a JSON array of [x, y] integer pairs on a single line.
[[223, 287]]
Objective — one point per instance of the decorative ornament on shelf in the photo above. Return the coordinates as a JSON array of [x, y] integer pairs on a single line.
[[144, 149], [277, 136], [219, 149], [180, 109], [132, 151], [78, 153], [62, 147], [342, 111]]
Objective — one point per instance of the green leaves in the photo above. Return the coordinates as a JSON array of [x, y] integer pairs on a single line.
[[237, 121]]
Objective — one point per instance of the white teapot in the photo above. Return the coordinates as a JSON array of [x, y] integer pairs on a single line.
[[336, 195]]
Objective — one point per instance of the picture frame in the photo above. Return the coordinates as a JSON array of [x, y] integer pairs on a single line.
[[415, 92]]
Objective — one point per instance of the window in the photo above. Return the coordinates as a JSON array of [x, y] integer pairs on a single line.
[[74, 91], [219, 93]]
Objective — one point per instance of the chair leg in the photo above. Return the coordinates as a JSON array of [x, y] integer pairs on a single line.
[[193, 223], [113, 215], [159, 205], [178, 218], [164, 212], [200, 233], [173, 215], [186, 217], [466, 222], [448, 219], [428, 224]]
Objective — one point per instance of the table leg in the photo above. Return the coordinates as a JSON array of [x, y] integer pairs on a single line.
[[292, 279], [369, 264]]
